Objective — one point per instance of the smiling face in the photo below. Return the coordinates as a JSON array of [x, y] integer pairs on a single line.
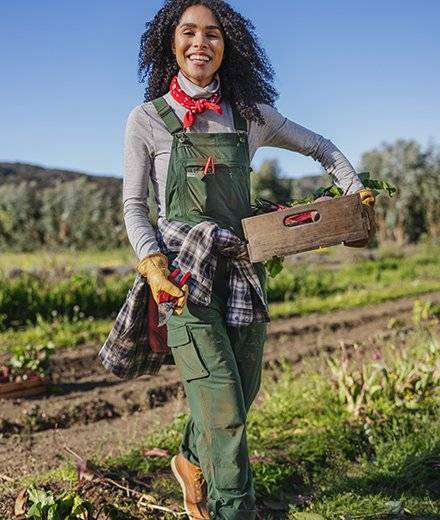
[[198, 44]]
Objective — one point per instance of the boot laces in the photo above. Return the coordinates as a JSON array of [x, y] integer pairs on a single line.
[[199, 479]]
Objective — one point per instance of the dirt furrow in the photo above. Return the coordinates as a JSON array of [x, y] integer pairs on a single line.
[[91, 410]]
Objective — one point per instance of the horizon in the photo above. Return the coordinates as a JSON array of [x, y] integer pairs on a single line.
[[91, 174]]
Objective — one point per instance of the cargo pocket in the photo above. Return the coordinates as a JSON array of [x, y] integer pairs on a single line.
[[230, 476], [186, 354]]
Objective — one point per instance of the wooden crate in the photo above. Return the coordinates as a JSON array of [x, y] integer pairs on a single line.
[[342, 220], [24, 388]]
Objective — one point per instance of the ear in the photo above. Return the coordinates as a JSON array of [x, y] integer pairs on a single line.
[[173, 47]]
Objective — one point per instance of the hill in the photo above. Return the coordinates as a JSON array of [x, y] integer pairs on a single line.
[[10, 173]]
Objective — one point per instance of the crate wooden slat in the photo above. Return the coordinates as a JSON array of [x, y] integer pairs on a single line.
[[341, 220], [24, 388]]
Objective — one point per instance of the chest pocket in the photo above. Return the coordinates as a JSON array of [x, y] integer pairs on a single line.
[[214, 195]]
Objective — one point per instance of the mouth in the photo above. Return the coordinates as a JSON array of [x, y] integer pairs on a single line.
[[199, 59]]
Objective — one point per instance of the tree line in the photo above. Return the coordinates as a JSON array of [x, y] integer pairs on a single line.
[[411, 214], [74, 214], [87, 212]]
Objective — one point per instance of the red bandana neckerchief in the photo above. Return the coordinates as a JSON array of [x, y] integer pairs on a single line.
[[194, 106]]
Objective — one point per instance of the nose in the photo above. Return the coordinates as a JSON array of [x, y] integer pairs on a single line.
[[200, 40]]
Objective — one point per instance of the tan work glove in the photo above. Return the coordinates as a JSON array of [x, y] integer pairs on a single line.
[[367, 196], [154, 268], [181, 302]]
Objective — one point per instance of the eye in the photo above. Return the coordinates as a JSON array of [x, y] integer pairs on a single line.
[[188, 33]]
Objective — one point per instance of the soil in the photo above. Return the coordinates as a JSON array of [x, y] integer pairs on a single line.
[[96, 414]]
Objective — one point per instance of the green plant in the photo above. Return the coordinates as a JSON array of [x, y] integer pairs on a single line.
[[67, 506], [30, 360], [425, 313], [274, 265], [405, 379], [81, 294], [355, 387], [27, 300], [336, 191], [60, 331]]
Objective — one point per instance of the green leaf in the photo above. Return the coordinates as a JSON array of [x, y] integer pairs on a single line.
[[274, 266], [53, 514], [304, 200], [376, 184], [81, 506], [35, 511], [394, 507], [67, 506], [40, 496], [308, 516]]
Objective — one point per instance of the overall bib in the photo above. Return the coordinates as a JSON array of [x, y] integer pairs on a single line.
[[220, 365]]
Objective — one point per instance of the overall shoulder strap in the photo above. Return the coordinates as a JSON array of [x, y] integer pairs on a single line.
[[239, 121], [168, 115]]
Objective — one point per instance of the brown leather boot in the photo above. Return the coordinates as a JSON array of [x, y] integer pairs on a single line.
[[193, 486]]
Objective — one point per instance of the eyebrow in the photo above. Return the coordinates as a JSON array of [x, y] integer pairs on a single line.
[[188, 24]]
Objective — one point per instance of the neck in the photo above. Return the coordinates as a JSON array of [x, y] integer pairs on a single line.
[[203, 84], [198, 91]]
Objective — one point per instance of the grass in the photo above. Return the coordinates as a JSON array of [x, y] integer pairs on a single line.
[[313, 288], [312, 453], [24, 299], [52, 259], [300, 289], [60, 332], [351, 299], [81, 308]]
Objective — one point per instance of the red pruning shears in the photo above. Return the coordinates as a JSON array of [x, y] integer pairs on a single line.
[[167, 303], [209, 166]]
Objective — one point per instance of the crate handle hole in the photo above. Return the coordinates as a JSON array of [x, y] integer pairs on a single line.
[[300, 219]]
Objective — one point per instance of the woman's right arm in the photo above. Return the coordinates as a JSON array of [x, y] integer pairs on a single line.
[[138, 165]]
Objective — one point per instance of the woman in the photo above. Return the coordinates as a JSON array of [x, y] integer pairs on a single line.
[[208, 107]]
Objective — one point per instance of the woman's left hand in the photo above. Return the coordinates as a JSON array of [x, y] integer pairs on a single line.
[[367, 196]]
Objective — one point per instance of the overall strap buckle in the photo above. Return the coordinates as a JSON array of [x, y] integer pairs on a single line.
[[181, 137]]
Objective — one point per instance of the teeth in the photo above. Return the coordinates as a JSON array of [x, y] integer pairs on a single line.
[[198, 57]]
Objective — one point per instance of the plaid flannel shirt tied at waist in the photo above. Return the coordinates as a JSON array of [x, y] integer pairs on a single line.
[[197, 248]]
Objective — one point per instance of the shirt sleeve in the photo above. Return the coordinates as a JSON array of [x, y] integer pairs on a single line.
[[138, 164], [280, 132]]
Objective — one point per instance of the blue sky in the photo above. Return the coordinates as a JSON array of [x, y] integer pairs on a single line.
[[357, 72]]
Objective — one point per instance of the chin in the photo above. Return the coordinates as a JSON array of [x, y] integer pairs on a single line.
[[199, 77]]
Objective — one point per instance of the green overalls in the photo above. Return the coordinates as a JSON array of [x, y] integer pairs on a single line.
[[220, 365]]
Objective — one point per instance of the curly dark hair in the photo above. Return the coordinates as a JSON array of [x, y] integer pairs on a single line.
[[246, 74]]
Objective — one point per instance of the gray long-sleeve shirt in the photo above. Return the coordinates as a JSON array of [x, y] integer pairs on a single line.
[[147, 152]]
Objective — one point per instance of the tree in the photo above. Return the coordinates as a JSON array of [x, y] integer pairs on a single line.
[[403, 163], [267, 183], [430, 189]]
